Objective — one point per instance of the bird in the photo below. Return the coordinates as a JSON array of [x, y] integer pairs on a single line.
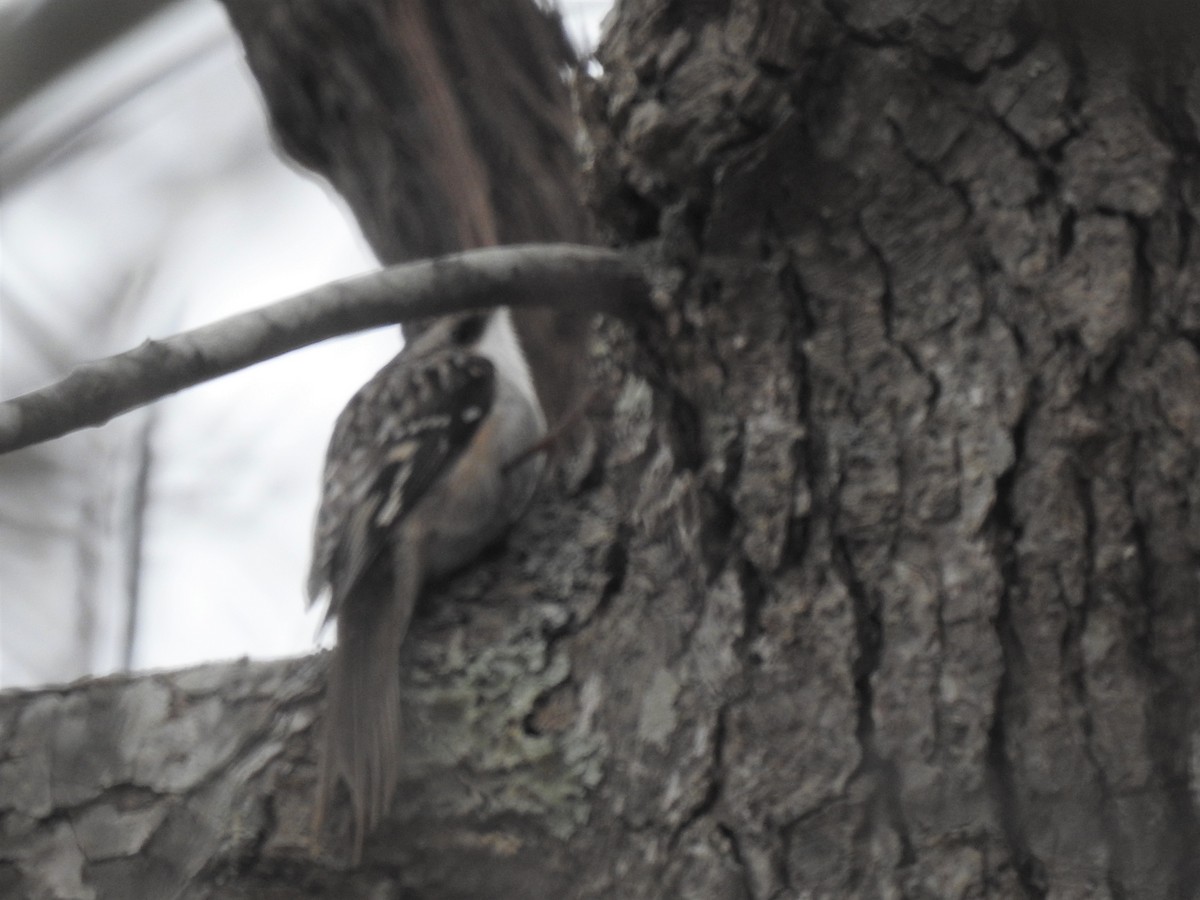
[[428, 465]]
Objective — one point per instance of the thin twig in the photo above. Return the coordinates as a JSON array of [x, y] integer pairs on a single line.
[[587, 279]]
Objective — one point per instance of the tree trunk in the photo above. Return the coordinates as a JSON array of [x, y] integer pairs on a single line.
[[936, 339], [882, 579]]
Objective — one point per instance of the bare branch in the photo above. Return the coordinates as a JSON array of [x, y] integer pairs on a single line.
[[563, 276]]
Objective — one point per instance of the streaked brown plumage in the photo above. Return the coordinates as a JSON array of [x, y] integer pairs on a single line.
[[417, 483]]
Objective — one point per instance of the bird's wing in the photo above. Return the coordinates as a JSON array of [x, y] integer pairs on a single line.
[[395, 438]]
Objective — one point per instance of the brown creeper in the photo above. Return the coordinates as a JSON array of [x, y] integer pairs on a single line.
[[419, 478]]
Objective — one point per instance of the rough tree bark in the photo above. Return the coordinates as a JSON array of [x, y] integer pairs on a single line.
[[882, 580]]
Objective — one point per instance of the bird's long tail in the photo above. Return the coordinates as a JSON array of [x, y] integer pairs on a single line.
[[362, 707]]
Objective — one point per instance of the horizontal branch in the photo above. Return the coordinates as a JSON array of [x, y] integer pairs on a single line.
[[587, 279]]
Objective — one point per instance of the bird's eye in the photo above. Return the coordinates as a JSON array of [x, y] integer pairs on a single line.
[[469, 330]]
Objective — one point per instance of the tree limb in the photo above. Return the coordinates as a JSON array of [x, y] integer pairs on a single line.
[[586, 279], [43, 40]]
